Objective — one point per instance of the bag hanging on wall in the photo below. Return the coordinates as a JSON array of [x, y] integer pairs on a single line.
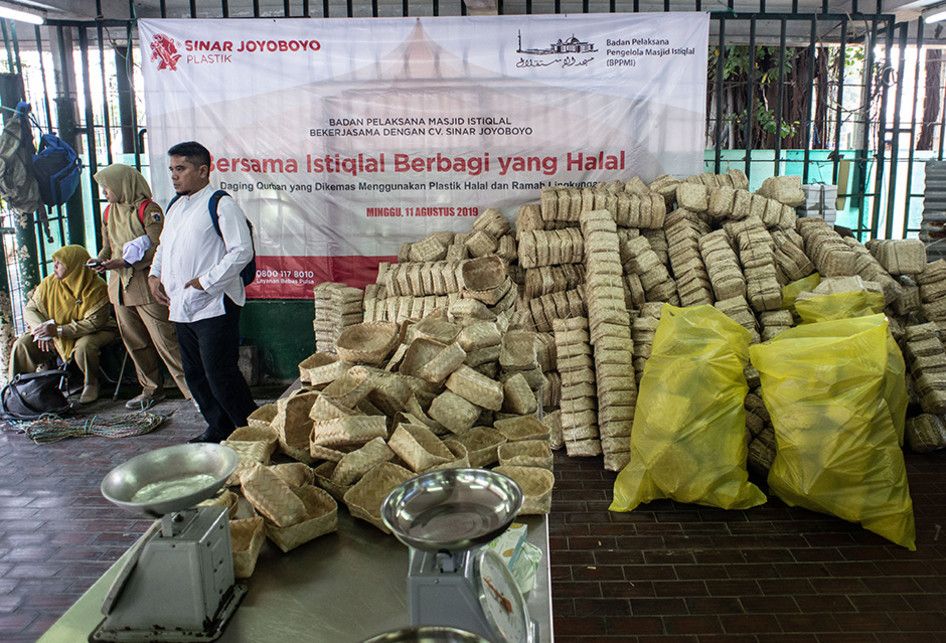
[[33, 395], [57, 168], [18, 185]]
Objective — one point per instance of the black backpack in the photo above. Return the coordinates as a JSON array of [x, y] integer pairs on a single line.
[[248, 274], [33, 395]]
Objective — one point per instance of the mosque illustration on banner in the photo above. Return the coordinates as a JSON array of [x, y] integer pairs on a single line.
[[571, 46]]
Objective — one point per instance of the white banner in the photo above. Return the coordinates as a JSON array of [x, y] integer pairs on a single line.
[[343, 138]]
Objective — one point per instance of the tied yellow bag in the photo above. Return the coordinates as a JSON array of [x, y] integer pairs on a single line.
[[791, 291], [825, 387], [688, 442], [839, 305], [860, 304]]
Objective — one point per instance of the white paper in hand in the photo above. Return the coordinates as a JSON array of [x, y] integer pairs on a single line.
[[134, 250]]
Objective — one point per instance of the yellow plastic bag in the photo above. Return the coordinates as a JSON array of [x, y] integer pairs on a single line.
[[689, 437], [825, 386], [821, 309], [791, 291], [839, 305]]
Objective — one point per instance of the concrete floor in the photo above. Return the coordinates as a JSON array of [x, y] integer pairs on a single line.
[[665, 572]]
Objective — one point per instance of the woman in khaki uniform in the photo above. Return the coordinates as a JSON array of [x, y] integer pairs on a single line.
[[67, 313], [131, 218]]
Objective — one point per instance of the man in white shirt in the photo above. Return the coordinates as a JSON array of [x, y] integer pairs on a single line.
[[196, 271]]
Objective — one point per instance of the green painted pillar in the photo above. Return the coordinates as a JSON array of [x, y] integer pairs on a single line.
[[75, 212], [67, 109], [7, 322]]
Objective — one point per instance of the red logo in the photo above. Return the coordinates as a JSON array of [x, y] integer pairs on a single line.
[[164, 52]]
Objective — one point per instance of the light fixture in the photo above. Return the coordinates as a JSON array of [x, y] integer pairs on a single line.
[[32, 17]]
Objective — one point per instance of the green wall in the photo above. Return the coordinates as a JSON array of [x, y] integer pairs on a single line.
[[282, 330]]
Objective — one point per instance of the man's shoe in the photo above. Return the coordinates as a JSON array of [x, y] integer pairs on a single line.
[[145, 400], [206, 436], [90, 393]]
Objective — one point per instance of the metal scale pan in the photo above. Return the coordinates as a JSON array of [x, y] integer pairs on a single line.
[[171, 479], [451, 510]]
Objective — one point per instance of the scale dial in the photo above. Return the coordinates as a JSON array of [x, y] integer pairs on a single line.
[[502, 602]]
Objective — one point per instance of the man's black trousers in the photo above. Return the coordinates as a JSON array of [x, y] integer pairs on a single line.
[[210, 351]]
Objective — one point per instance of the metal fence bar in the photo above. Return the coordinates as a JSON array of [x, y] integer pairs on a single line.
[[6, 44], [750, 98], [89, 128], [16, 47], [720, 63], [781, 96], [895, 142], [42, 74], [105, 116], [942, 127], [129, 67], [809, 86], [842, 66], [882, 133], [861, 157], [908, 200]]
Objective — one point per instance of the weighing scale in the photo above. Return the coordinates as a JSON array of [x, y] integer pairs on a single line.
[[445, 518], [177, 584]]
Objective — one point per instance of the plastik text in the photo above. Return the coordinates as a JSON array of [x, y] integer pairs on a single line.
[[252, 46]]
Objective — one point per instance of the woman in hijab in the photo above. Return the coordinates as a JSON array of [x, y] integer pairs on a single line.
[[68, 315], [131, 227]]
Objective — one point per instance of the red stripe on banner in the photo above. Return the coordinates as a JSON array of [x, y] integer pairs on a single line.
[[295, 277]]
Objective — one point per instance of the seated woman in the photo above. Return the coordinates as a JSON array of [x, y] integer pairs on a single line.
[[68, 314]]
